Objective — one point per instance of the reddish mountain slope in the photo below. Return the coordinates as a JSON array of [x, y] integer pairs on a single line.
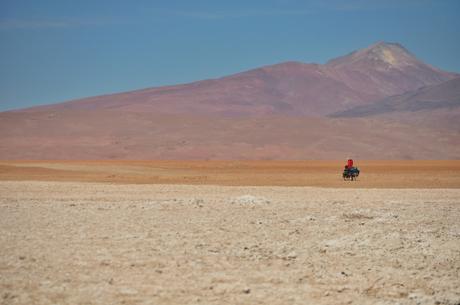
[[386, 69], [435, 97], [104, 134], [289, 88], [274, 112]]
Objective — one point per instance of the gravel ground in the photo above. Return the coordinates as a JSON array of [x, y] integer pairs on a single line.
[[90, 243]]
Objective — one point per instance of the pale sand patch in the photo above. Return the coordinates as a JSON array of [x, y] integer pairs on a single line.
[[89, 243]]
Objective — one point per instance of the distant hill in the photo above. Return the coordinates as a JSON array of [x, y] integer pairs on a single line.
[[440, 96], [290, 88], [290, 110]]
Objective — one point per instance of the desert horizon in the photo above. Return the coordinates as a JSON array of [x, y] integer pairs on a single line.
[[230, 152], [318, 173]]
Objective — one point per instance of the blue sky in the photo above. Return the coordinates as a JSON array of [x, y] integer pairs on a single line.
[[52, 51]]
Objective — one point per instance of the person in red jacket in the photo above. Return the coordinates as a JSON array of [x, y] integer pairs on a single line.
[[350, 163]]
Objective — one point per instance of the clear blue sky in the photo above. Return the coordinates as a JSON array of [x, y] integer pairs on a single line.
[[52, 51]]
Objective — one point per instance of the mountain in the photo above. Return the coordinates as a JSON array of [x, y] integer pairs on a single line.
[[386, 69], [290, 110], [441, 96], [290, 88], [105, 134]]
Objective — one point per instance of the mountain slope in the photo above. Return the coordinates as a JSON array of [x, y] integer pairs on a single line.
[[441, 96], [386, 69], [290, 88], [105, 134], [274, 112]]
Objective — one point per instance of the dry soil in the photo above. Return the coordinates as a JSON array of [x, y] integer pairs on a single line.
[[374, 174], [229, 233]]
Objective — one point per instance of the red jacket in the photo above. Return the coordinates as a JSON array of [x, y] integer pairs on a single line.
[[350, 163]]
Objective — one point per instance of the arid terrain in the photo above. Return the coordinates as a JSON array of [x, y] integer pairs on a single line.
[[164, 232], [193, 152], [380, 102], [374, 174]]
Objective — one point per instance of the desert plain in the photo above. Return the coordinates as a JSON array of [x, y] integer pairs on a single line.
[[229, 232]]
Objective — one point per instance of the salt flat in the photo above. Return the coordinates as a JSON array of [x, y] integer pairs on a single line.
[[93, 243]]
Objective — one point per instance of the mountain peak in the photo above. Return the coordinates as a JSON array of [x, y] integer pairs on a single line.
[[387, 45], [393, 54], [388, 54]]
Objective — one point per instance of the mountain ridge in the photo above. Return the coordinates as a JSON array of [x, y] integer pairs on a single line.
[[443, 95], [281, 111], [290, 88]]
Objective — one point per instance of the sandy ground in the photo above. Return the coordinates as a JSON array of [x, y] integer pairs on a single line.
[[374, 174], [93, 243]]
